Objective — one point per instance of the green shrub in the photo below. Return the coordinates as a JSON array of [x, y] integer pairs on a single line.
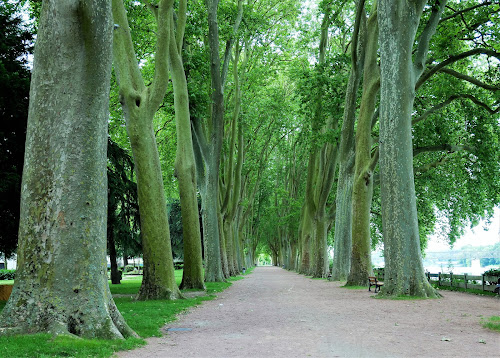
[[7, 274], [492, 272]]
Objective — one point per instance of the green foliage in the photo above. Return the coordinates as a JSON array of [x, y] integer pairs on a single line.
[[15, 44], [456, 173], [123, 207], [7, 274], [492, 272]]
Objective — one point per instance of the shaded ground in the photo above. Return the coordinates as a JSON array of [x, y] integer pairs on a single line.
[[277, 313]]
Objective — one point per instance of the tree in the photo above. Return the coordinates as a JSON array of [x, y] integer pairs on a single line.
[[207, 142], [398, 23], [343, 215], [123, 208], [61, 285], [185, 166], [15, 79], [365, 162], [140, 103]]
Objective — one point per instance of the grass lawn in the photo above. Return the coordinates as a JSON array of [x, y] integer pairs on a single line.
[[146, 318], [492, 323]]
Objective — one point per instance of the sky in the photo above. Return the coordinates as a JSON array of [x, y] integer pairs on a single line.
[[477, 236]]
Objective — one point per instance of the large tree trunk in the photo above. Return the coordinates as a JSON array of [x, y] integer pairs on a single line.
[[404, 273], [139, 104], [362, 193], [61, 284], [321, 267], [185, 167], [209, 202], [343, 214]]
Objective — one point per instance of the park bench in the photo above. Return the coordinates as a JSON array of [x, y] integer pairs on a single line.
[[372, 281]]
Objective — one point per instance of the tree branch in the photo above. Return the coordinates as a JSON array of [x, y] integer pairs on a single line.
[[425, 168], [469, 79], [425, 37], [460, 12], [181, 25], [230, 42], [160, 79], [425, 76], [125, 60], [449, 148], [448, 101]]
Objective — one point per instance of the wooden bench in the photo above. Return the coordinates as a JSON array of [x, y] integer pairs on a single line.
[[372, 281]]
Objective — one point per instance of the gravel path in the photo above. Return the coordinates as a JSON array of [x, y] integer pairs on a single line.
[[277, 313]]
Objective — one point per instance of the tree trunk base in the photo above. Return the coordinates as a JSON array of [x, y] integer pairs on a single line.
[[29, 316], [424, 290], [158, 294], [192, 285]]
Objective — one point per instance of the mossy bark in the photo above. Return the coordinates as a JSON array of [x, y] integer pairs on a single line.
[[185, 167], [140, 104], [343, 213], [398, 23], [61, 283], [361, 267]]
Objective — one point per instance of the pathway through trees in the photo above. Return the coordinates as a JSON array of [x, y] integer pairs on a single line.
[[277, 313]]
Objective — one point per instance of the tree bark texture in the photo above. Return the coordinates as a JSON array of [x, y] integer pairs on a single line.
[[61, 284], [404, 273], [185, 167], [343, 214], [362, 193], [140, 104]]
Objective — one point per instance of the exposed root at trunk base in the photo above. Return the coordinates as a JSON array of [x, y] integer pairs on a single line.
[[75, 318], [422, 291]]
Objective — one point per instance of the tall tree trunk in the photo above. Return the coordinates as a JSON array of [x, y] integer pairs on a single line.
[[61, 285], [307, 233], [362, 192], [140, 104], [210, 149], [185, 167], [343, 214], [210, 221], [404, 272]]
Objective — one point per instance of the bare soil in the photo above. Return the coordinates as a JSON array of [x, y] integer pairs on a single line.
[[277, 313]]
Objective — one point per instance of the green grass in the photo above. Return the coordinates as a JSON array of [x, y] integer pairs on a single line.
[[492, 323], [355, 287], [45, 345], [6, 282], [460, 289], [146, 318]]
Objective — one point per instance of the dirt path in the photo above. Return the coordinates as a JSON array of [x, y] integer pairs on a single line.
[[276, 313]]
